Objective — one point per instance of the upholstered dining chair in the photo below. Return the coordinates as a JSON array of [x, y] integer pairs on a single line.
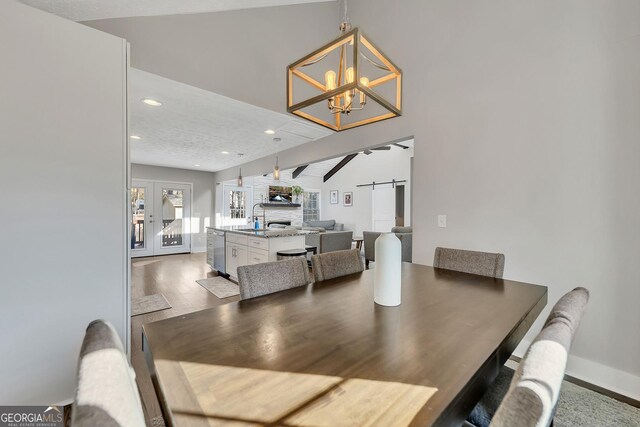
[[481, 263], [269, 277], [336, 264], [405, 234], [527, 397], [106, 393]]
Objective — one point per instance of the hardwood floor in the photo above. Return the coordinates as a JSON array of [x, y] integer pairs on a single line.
[[175, 277]]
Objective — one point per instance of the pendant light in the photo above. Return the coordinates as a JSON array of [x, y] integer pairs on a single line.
[[240, 172], [355, 73], [240, 178], [276, 167]]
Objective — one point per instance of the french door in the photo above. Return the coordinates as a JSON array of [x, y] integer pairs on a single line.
[[161, 218]]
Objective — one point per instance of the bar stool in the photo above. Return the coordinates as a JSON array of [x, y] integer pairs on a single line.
[[291, 253]]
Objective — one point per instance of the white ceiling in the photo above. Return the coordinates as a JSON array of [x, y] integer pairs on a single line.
[[88, 10], [194, 126], [320, 169]]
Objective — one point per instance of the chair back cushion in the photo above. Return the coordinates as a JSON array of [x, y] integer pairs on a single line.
[[269, 277], [481, 263], [335, 241], [369, 240], [370, 237], [107, 394], [402, 229], [535, 386], [406, 240], [336, 264], [328, 224]]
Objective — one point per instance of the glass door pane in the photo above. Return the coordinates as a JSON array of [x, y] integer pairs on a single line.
[[142, 207], [172, 217], [138, 217]]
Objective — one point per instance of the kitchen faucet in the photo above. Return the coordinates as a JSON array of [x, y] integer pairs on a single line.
[[264, 214]]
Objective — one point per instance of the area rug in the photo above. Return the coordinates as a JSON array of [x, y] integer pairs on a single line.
[[148, 304], [220, 287], [580, 407]]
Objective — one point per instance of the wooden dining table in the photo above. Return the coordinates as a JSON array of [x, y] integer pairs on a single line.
[[326, 355]]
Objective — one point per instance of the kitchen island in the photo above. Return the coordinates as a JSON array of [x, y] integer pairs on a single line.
[[229, 247]]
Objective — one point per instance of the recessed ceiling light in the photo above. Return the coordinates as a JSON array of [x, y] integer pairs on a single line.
[[197, 166], [135, 137], [151, 102], [225, 152], [269, 131]]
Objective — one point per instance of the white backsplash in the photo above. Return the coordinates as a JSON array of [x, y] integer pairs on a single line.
[[261, 194]]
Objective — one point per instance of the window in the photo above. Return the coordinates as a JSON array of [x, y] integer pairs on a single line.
[[237, 204], [311, 206]]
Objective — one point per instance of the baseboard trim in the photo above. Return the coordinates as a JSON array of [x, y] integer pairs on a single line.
[[594, 376]]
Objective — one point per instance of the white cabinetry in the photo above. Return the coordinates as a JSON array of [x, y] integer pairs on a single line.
[[247, 250], [210, 234], [237, 253]]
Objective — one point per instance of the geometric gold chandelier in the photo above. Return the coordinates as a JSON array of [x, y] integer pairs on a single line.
[[332, 85]]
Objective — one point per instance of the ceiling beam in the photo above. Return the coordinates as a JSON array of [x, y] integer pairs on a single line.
[[298, 171], [339, 166]]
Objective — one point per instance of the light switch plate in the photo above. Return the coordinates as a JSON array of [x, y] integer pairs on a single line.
[[442, 221]]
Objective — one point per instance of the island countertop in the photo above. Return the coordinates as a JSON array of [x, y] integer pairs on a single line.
[[266, 234]]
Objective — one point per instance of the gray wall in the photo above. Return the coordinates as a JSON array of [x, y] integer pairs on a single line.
[[526, 118], [241, 53], [379, 166], [203, 195], [63, 167], [526, 124]]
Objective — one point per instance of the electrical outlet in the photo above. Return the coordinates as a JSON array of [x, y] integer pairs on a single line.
[[442, 221]]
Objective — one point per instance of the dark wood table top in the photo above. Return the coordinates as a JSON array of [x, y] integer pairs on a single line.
[[318, 355]]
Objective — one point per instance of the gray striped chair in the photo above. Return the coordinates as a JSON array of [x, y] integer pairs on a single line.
[[336, 264], [481, 263], [269, 277], [107, 394], [528, 396]]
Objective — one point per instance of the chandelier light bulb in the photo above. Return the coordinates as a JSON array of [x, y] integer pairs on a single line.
[[363, 97], [330, 80], [349, 75]]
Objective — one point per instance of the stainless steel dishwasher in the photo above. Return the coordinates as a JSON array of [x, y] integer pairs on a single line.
[[219, 262]]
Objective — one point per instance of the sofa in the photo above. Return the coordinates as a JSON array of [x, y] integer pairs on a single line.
[[327, 225], [405, 234]]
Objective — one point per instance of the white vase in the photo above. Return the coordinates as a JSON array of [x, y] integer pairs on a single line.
[[387, 285]]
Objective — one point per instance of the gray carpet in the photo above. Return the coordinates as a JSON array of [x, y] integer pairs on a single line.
[[220, 287], [579, 407], [148, 304]]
